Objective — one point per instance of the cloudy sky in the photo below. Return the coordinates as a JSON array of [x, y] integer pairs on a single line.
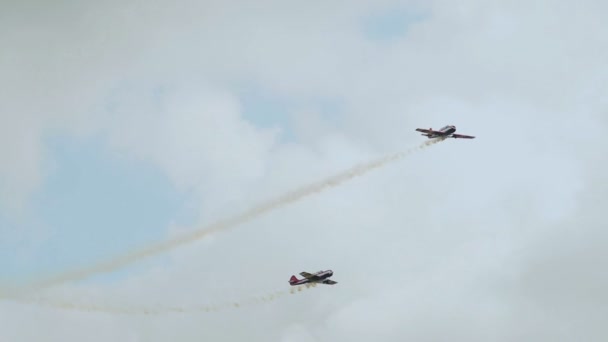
[[126, 123]]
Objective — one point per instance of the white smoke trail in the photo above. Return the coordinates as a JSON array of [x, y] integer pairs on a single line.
[[290, 197], [71, 305]]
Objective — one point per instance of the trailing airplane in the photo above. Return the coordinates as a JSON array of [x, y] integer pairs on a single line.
[[318, 277], [446, 132]]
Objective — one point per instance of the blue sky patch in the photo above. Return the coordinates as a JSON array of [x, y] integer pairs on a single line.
[[93, 206], [265, 110], [391, 24]]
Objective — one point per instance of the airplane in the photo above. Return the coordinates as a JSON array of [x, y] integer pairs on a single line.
[[318, 277], [446, 131]]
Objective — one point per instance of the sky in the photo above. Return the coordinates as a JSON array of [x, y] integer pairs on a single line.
[[129, 123]]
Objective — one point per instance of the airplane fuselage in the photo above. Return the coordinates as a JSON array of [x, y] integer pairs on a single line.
[[316, 278], [447, 130]]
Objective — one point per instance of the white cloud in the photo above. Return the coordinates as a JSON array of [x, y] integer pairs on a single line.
[[196, 136], [498, 238]]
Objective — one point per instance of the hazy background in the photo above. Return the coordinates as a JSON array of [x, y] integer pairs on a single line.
[[128, 122]]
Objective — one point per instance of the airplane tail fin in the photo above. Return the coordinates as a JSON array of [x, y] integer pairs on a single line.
[[293, 279]]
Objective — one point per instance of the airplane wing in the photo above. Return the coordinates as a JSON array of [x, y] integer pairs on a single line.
[[462, 136], [306, 275], [329, 282]]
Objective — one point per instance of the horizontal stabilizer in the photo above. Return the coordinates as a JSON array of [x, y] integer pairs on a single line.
[[427, 131]]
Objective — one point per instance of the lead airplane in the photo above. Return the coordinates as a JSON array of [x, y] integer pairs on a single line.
[[318, 277], [445, 132]]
